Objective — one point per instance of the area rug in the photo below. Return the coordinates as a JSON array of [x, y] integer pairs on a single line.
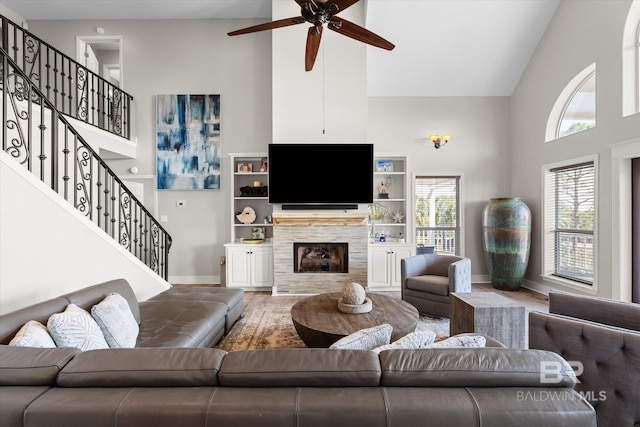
[[269, 326]]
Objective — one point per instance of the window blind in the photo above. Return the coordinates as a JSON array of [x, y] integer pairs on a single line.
[[571, 215]]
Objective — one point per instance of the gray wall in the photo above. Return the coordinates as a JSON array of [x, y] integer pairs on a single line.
[[580, 33]]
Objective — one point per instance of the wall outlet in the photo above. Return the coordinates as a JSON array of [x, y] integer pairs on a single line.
[[164, 218]]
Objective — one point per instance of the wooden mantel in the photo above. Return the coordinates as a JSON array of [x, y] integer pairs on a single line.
[[313, 219]]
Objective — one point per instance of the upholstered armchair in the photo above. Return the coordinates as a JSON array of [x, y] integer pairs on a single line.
[[428, 279]]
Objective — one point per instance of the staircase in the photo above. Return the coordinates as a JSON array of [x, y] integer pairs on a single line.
[[40, 87]]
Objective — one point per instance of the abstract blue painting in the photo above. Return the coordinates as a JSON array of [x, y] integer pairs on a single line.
[[188, 142]]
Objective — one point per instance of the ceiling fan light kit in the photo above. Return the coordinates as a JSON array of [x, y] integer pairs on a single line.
[[318, 13]]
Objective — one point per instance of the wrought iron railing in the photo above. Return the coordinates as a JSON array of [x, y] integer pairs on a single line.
[[37, 134], [73, 89]]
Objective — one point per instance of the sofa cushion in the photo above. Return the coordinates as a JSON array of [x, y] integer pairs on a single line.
[[75, 327], [181, 323], [92, 295], [116, 321], [33, 334], [472, 367], [298, 367], [143, 367], [416, 339], [432, 284], [365, 339], [27, 366], [461, 341]]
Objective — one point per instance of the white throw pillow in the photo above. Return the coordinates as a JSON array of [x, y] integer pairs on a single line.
[[75, 327], [116, 321], [460, 341], [417, 339], [365, 339], [33, 334]]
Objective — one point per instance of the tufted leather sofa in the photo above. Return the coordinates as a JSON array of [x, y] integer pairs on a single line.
[[177, 317], [604, 337], [162, 387]]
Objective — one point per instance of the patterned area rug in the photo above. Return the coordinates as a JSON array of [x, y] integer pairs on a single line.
[[269, 325]]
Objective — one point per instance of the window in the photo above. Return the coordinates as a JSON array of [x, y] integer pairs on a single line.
[[575, 108], [570, 218], [437, 201]]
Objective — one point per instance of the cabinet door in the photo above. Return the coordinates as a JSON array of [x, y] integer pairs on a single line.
[[398, 254], [262, 266], [378, 266], [238, 267]]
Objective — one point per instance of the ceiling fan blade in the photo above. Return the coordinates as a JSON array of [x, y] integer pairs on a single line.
[[313, 44], [340, 4], [269, 25], [359, 33]]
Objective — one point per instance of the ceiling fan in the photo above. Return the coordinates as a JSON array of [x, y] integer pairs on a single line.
[[318, 13]]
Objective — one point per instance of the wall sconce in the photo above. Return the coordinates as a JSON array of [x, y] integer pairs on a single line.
[[439, 140]]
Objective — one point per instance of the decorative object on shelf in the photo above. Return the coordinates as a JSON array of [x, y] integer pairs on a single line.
[[401, 238], [268, 219], [506, 225], [252, 241], [264, 165], [247, 216], [384, 166], [382, 191], [248, 191], [257, 233], [397, 217], [187, 145], [439, 140], [377, 211], [245, 168], [354, 299]]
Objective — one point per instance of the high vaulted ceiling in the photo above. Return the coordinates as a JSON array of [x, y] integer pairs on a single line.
[[443, 47]]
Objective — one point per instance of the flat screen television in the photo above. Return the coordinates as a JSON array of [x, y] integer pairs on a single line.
[[316, 175]]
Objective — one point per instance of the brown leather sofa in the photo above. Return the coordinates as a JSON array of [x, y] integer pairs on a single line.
[[160, 387], [177, 317], [603, 335]]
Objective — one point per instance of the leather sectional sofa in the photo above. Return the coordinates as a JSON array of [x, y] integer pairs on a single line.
[[603, 336], [171, 384]]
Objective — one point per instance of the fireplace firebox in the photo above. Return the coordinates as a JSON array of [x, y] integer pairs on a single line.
[[320, 257]]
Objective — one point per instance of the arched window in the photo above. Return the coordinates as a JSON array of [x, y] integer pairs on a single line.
[[575, 108], [631, 61]]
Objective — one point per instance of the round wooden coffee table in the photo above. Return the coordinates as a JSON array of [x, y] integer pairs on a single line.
[[319, 322]]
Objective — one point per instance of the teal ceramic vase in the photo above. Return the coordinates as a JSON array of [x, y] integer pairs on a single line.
[[506, 235]]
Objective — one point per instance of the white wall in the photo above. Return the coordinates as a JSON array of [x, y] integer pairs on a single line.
[[44, 241], [579, 34]]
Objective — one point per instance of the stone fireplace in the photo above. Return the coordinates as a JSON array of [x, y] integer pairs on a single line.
[[320, 257], [318, 252]]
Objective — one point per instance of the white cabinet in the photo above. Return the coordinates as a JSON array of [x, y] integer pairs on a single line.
[[249, 265], [384, 264]]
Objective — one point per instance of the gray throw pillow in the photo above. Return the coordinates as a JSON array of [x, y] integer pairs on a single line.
[[417, 339], [75, 327], [460, 341], [365, 339], [33, 334], [114, 317]]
